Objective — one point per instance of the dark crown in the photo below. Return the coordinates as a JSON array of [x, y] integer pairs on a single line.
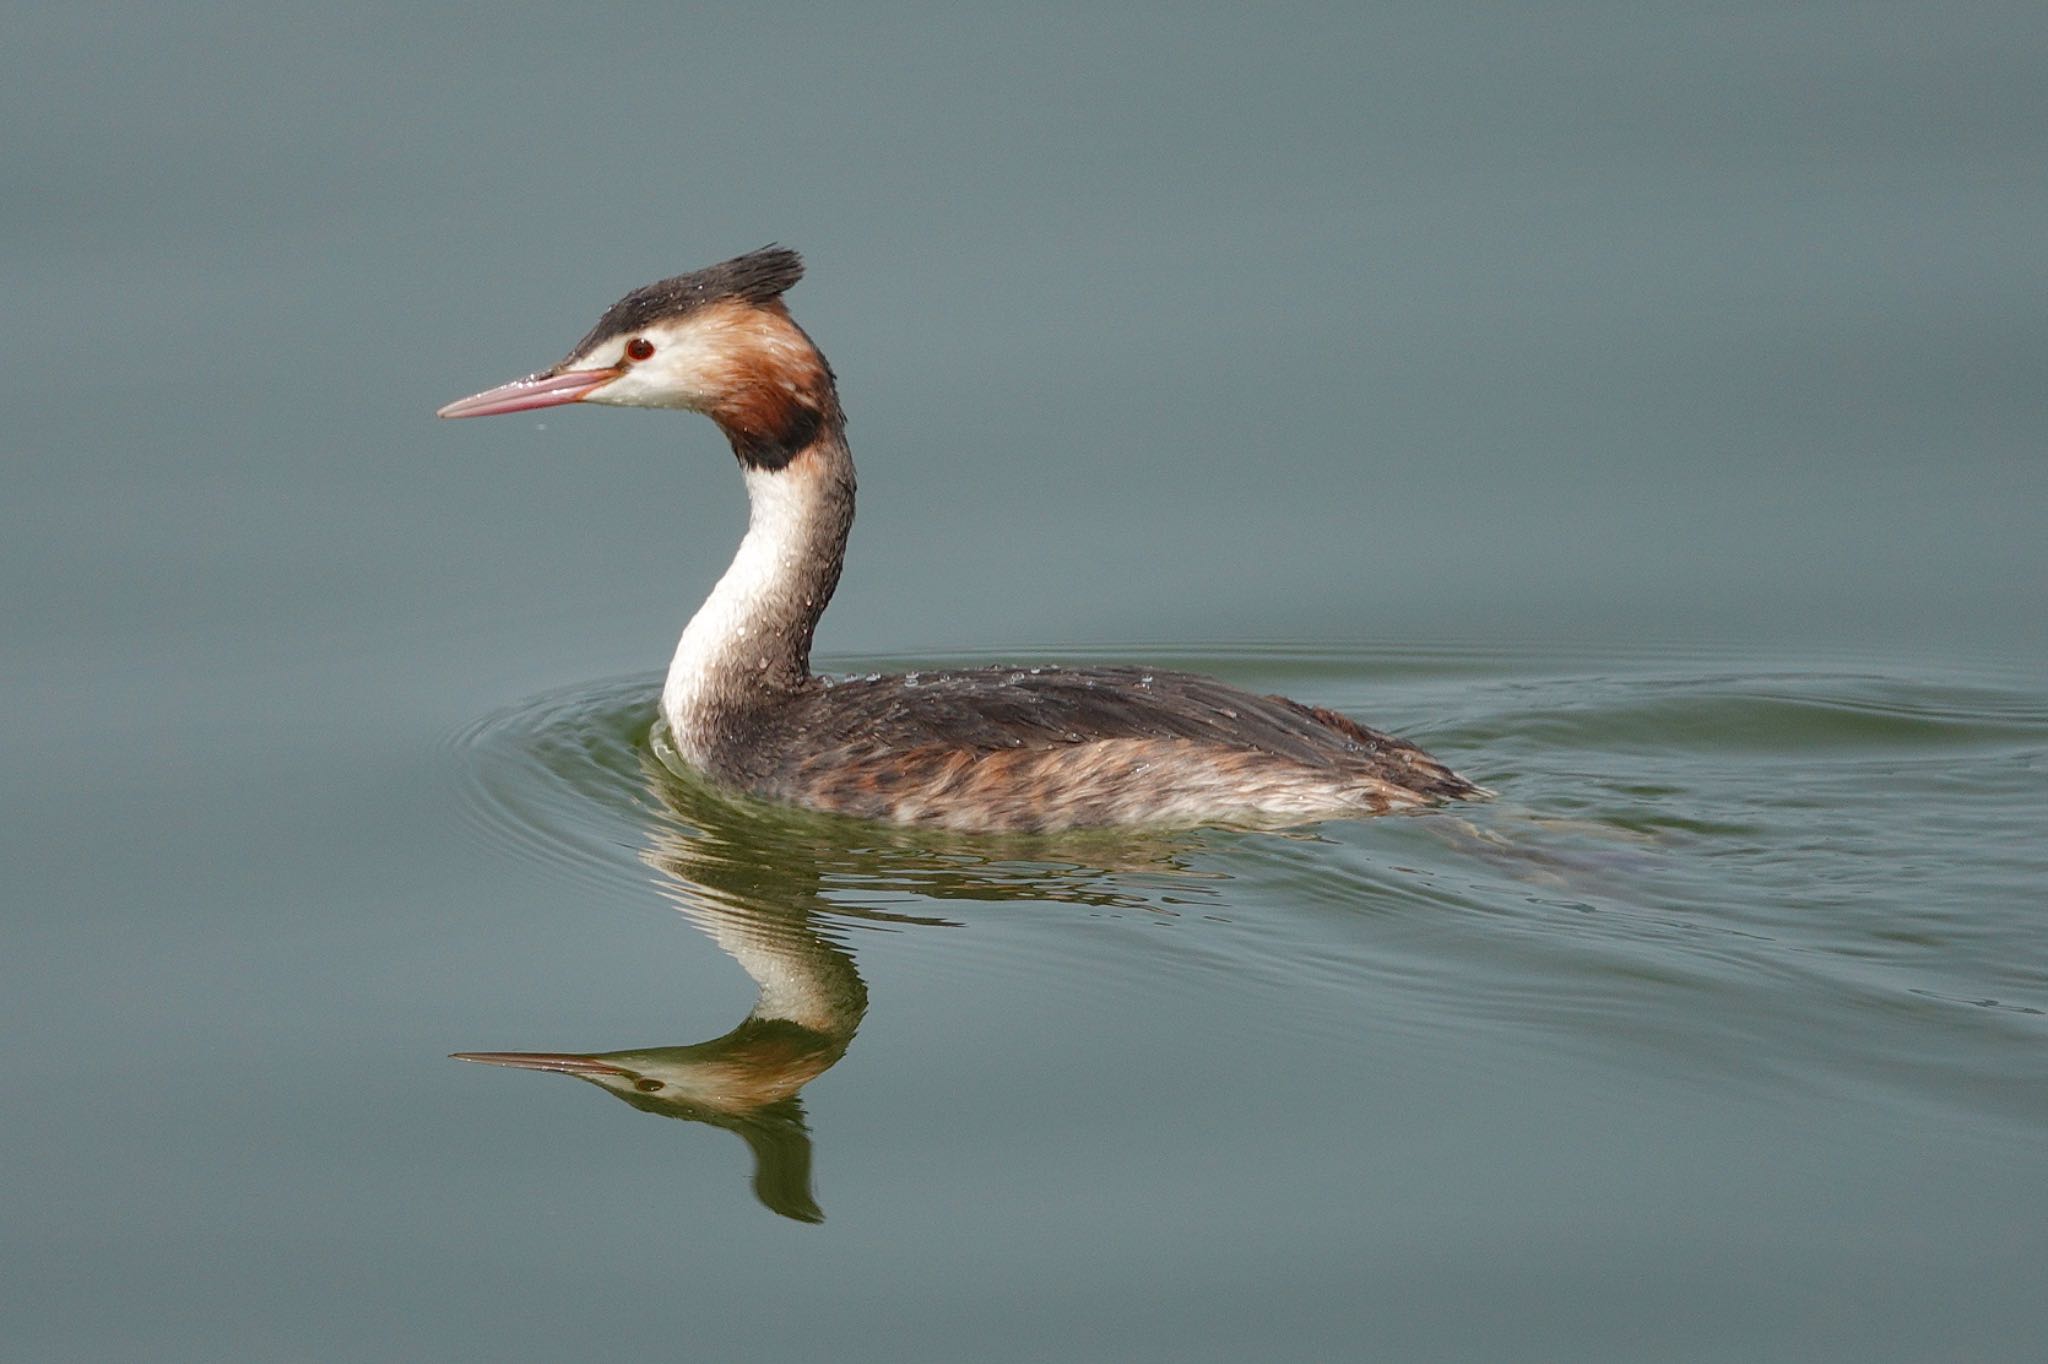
[[758, 277]]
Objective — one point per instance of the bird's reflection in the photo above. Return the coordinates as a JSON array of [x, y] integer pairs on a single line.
[[775, 889]]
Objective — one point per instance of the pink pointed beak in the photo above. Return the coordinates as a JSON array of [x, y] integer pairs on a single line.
[[564, 1063], [539, 390]]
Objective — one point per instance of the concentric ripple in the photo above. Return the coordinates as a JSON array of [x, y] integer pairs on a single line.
[[558, 779], [1757, 868]]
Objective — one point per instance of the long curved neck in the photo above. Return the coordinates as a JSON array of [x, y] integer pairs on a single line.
[[751, 640]]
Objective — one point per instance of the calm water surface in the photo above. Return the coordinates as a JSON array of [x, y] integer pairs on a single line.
[[1734, 995], [1718, 1034], [1640, 406]]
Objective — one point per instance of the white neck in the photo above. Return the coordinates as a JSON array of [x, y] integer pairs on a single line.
[[752, 636], [715, 643]]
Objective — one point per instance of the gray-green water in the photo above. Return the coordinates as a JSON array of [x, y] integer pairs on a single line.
[[1640, 406]]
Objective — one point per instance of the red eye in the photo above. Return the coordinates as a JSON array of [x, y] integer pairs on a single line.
[[639, 348]]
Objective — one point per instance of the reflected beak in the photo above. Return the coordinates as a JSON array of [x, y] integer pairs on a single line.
[[561, 1062], [539, 390]]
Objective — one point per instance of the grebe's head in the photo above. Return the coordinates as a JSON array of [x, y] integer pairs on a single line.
[[718, 341], [761, 1062], [745, 1082]]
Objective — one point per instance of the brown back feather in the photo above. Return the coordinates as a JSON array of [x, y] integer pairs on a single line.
[[976, 712]]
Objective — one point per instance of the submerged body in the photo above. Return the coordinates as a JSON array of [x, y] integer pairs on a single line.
[[997, 749], [1045, 749]]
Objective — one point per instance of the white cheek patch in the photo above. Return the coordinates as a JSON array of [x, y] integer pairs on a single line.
[[634, 388], [690, 367]]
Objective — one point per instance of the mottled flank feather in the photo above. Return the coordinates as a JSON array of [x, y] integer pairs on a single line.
[[1006, 749]]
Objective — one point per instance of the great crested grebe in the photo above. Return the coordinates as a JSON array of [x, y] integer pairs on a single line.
[[990, 749]]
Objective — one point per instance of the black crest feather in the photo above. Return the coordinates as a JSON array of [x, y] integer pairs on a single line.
[[758, 277]]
